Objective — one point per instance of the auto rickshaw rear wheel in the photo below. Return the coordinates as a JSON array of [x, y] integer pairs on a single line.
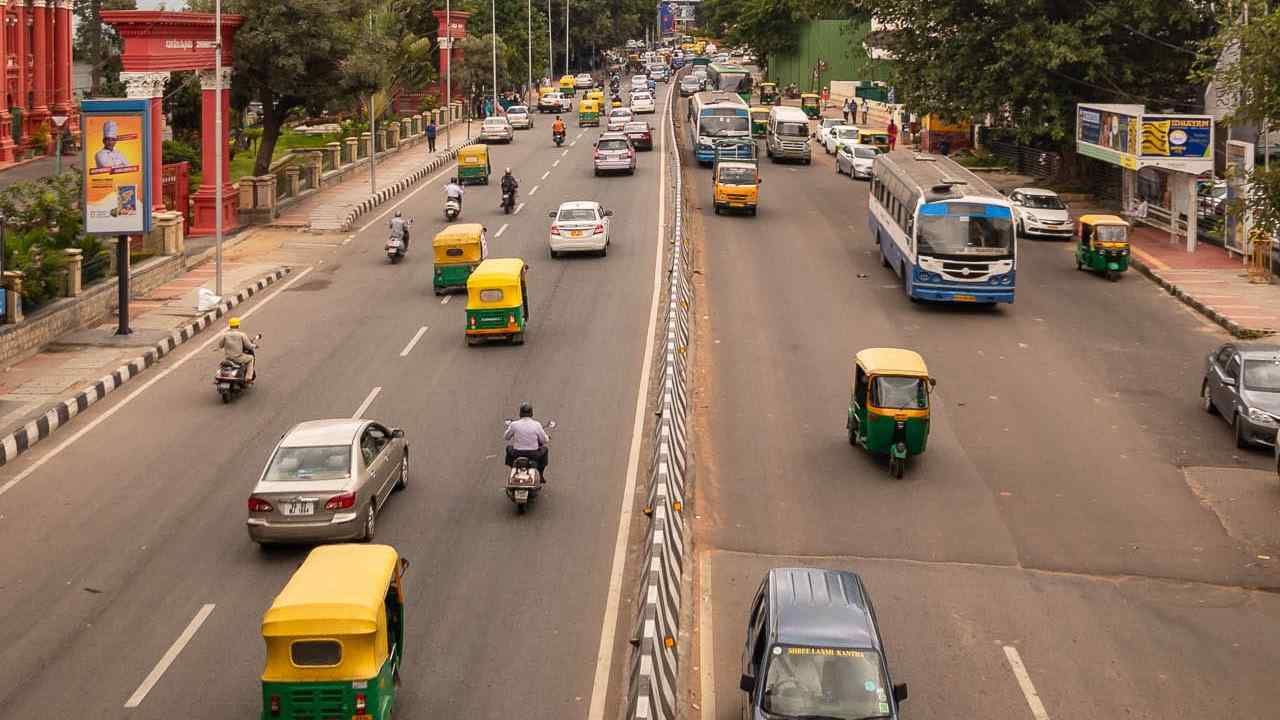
[[517, 338]]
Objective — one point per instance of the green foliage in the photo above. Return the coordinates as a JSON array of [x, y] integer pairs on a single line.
[[43, 217], [1263, 199], [475, 72], [1028, 62], [769, 27], [182, 104], [176, 151]]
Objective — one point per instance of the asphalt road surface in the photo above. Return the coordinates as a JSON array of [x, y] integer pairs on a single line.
[[1079, 541], [127, 528]]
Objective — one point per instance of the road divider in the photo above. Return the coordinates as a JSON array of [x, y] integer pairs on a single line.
[[398, 187]]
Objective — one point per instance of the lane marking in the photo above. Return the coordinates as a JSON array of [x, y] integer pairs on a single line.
[[564, 154], [575, 142], [1024, 682], [129, 398], [416, 337], [446, 299], [706, 641], [534, 190], [170, 655], [518, 209], [404, 200], [502, 229], [604, 656], [554, 164], [367, 401], [545, 174]]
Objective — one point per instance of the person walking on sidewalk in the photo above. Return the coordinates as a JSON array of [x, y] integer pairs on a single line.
[[431, 136], [845, 109], [892, 130]]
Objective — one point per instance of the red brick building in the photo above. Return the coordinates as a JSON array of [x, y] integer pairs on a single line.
[[36, 47]]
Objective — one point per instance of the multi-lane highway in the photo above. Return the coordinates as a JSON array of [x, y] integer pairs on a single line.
[[128, 586], [1078, 531]]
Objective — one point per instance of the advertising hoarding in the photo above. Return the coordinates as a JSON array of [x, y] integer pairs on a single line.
[[1177, 136], [1109, 133], [666, 18], [117, 166]]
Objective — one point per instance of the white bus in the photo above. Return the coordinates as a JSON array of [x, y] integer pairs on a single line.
[[946, 232], [716, 116]]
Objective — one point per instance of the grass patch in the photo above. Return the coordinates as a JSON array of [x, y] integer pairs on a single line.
[[242, 162], [978, 158]]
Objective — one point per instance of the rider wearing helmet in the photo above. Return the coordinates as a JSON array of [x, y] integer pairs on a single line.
[[400, 227], [527, 438], [509, 185], [238, 348]]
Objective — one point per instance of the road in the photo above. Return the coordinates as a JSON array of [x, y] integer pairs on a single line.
[[1074, 505], [129, 525]]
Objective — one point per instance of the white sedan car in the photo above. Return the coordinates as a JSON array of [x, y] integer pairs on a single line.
[[824, 126], [618, 119], [839, 135], [642, 102], [1040, 212], [519, 117], [580, 226], [639, 82], [584, 81]]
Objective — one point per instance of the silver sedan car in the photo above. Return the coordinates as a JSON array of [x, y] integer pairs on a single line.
[[326, 481], [519, 117], [496, 129]]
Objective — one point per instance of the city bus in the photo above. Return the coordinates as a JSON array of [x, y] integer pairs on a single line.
[[946, 232], [729, 78], [716, 116]]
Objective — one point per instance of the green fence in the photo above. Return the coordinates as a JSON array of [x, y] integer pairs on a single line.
[[839, 43]]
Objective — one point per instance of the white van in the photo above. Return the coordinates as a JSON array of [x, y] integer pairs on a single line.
[[788, 134]]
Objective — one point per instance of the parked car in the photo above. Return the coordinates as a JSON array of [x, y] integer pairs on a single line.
[[618, 119], [689, 85], [640, 133], [1040, 212], [496, 129], [584, 81], [856, 160], [814, 650], [580, 226], [839, 135], [1242, 384], [614, 152], [519, 117], [326, 481], [1213, 199], [642, 102]]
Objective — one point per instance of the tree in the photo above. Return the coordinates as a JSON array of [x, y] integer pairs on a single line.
[[99, 45], [387, 58], [1028, 62], [475, 72], [769, 27]]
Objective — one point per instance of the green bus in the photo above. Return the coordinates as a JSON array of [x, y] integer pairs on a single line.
[[730, 78]]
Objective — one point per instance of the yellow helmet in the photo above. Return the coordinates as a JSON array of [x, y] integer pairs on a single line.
[[233, 322]]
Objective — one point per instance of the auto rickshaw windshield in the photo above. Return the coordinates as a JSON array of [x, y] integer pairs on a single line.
[[899, 393], [1110, 233]]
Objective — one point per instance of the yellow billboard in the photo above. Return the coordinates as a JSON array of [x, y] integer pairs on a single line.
[[117, 197]]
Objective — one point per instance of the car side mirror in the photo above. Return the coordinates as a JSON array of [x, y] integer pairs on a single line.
[[551, 214], [900, 692], [608, 213], [748, 684], [397, 432]]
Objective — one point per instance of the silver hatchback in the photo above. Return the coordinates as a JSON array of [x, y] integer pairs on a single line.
[[326, 481]]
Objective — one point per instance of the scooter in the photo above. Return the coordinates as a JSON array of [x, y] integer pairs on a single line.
[[508, 201], [452, 209], [524, 482], [558, 137], [230, 377], [395, 248]]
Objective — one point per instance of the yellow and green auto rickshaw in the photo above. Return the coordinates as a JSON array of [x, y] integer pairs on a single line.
[[769, 94], [588, 112], [889, 405], [335, 636], [458, 249], [759, 121], [1102, 245], [497, 301], [811, 104], [596, 94], [567, 86], [473, 165], [878, 139]]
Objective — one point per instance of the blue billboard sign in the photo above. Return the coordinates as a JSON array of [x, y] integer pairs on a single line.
[[666, 18]]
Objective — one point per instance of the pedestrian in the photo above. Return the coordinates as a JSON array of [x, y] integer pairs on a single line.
[[826, 97], [431, 135], [845, 110], [892, 129]]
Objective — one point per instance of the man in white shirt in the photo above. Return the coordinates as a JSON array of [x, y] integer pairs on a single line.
[[527, 438]]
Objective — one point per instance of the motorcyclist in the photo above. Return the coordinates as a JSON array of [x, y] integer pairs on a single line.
[[528, 439], [557, 127], [509, 185], [400, 228], [453, 191], [239, 348]]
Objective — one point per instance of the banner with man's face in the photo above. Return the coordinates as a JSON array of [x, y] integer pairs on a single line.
[[117, 173]]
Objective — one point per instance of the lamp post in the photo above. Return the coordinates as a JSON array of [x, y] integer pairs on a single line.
[[551, 54], [373, 129], [566, 37], [448, 74], [4, 291], [222, 148], [493, 32], [528, 8]]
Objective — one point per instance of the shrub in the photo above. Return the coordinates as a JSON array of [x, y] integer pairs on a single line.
[[43, 217], [176, 151]]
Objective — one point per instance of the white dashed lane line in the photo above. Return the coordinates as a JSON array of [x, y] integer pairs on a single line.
[[167, 659], [367, 402], [1024, 682], [416, 337], [502, 229], [563, 154], [544, 175], [446, 299], [534, 190]]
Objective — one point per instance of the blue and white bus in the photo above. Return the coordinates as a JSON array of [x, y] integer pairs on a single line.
[[716, 116], [946, 232]]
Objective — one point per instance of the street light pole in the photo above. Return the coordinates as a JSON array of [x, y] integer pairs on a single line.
[[528, 8], [222, 149], [373, 130], [493, 31], [551, 54], [448, 74], [566, 37]]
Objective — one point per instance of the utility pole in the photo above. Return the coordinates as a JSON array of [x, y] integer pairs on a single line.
[[551, 55], [217, 166], [448, 75], [493, 31], [566, 37], [373, 130], [528, 8]]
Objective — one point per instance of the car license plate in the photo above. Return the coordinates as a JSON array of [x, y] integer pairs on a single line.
[[522, 495], [964, 298], [298, 507], [576, 233]]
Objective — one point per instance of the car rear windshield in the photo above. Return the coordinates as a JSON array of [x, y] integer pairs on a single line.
[[577, 215], [613, 145], [1262, 375], [517, 110], [318, 462], [495, 121], [637, 128], [865, 153], [1043, 202]]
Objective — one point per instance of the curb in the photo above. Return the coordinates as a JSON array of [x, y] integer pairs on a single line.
[[400, 185], [1231, 326], [654, 664], [21, 440]]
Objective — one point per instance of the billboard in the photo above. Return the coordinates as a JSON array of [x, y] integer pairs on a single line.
[[117, 166], [666, 18], [1177, 136], [1109, 133]]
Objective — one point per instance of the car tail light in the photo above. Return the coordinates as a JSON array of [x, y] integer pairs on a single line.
[[595, 154], [361, 703], [599, 229], [274, 704], [345, 501], [631, 153], [555, 229], [257, 504]]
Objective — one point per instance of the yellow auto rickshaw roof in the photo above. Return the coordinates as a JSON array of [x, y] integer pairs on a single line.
[[497, 272], [809, 95], [338, 590], [759, 108], [769, 84], [1103, 220], [474, 150], [892, 361], [460, 234]]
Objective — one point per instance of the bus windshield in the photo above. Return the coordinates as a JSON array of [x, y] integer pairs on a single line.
[[723, 123], [965, 230]]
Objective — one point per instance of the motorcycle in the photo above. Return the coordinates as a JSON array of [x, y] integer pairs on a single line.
[[558, 137], [508, 201], [524, 482], [452, 209], [396, 246], [230, 378]]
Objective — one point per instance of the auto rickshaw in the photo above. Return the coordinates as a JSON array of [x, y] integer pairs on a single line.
[[889, 405], [615, 101], [811, 104], [588, 112], [473, 165], [596, 94], [769, 93], [759, 121], [1102, 245], [497, 301], [876, 138], [458, 249], [567, 85], [335, 636]]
